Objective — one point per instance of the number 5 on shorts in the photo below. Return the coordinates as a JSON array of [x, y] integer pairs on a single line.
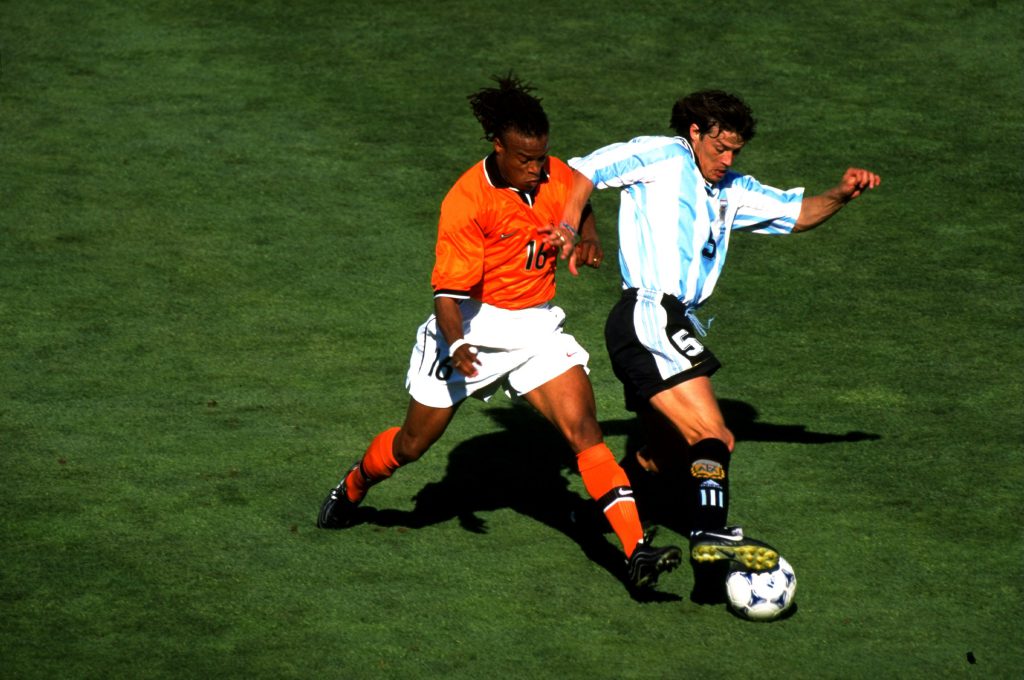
[[686, 343]]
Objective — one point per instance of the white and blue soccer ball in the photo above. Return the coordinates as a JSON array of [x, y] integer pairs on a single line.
[[762, 596]]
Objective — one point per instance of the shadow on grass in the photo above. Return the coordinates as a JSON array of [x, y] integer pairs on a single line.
[[657, 495], [522, 467], [741, 418]]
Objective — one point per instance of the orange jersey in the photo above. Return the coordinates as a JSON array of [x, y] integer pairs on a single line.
[[488, 244]]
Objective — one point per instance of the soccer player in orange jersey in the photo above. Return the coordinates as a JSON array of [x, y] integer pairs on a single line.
[[494, 326]]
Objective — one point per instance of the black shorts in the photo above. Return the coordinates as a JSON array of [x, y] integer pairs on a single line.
[[653, 345]]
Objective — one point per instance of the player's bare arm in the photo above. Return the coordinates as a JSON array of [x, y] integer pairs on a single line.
[[584, 243], [817, 209], [449, 320], [574, 206]]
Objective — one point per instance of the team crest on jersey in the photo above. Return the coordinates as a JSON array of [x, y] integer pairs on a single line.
[[707, 469], [723, 207]]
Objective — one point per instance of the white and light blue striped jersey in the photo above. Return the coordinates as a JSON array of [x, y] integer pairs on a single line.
[[674, 226]]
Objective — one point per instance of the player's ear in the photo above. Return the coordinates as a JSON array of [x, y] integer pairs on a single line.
[[694, 133], [498, 146]]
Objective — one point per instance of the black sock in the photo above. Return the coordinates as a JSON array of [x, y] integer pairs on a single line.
[[706, 484]]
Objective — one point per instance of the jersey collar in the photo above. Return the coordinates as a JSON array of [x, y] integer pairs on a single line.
[[495, 179], [712, 189]]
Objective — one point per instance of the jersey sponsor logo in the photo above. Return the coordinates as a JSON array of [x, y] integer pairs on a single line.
[[707, 469]]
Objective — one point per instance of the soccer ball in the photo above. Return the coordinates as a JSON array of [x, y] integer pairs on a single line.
[[762, 596]]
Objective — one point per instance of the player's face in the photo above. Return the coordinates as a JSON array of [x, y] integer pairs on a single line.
[[521, 159], [716, 150]]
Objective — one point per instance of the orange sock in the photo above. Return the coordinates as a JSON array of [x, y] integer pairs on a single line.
[[608, 484], [378, 464]]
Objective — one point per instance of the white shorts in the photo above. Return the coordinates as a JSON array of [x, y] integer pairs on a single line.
[[519, 350]]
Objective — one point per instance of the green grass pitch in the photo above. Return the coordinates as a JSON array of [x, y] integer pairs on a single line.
[[216, 233]]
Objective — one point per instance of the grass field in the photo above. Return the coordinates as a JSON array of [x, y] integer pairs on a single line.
[[216, 234]]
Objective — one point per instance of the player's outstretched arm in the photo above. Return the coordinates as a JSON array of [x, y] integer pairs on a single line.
[[816, 209]]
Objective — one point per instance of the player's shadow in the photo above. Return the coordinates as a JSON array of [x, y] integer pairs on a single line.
[[741, 418], [658, 498], [524, 466]]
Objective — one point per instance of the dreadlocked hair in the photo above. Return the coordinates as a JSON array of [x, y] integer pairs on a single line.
[[509, 106]]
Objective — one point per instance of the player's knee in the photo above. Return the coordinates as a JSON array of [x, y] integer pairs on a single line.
[[714, 430]]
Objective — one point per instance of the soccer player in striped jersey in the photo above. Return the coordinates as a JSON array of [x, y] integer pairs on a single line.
[[680, 203], [494, 326]]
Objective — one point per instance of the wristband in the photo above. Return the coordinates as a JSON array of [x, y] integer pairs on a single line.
[[566, 225], [457, 344]]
